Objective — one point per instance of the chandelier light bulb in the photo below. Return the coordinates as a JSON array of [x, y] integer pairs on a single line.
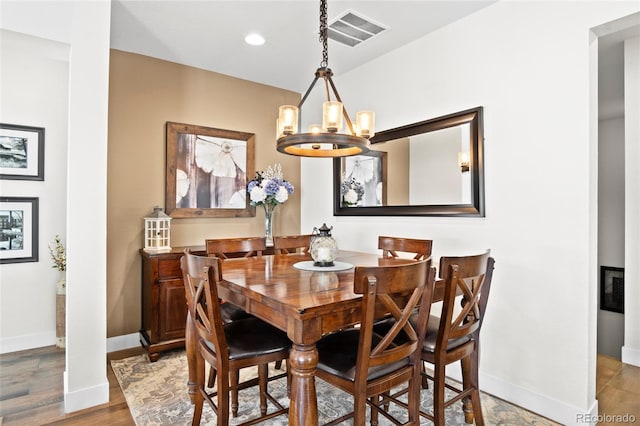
[[332, 116], [288, 119], [315, 129], [365, 123]]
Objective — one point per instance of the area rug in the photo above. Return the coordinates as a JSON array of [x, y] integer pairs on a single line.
[[156, 393]]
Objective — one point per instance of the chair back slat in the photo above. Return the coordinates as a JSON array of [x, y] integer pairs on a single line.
[[208, 319], [468, 277], [192, 267], [235, 247], [396, 289], [288, 244], [392, 246], [201, 275]]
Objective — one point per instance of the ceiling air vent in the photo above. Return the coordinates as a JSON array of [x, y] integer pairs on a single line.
[[352, 29]]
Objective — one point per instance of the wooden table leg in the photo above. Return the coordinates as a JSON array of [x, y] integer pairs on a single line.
[[303, 408], [190, 346]]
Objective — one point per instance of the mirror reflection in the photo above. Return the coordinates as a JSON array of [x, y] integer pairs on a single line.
[[364, 181], [428, 168]]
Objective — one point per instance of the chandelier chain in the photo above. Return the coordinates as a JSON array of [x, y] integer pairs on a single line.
[[329, 141], [323, 33]]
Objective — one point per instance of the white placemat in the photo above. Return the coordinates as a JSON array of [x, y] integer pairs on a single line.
[[307, 265]]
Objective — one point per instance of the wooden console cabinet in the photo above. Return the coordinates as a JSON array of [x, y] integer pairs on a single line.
[[164, 308]]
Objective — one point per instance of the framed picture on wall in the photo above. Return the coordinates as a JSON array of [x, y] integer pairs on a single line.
[[612, 289], [21, 152], [364, 180], [207, 171], [18, 229]]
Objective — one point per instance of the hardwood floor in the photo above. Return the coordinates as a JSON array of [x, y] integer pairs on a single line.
[[617, 391], [31, 391]]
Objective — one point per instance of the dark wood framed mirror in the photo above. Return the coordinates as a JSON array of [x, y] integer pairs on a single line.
[[429, 168]]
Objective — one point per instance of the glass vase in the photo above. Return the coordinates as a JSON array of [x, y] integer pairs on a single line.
[[268, 222]]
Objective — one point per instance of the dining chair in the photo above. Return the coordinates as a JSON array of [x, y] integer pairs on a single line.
[[288, 244], [365, 364], [230, 347], [399, 247], [390, 246], [454, 336], [192, 267], [243, 247], [225, 248]]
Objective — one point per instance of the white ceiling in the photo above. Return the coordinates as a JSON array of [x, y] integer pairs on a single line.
[[210, 34]]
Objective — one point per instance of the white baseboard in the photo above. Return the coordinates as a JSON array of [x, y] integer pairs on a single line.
[[29, 341], [631, 356], [126, 341], [40, 340], [553, 409], [543, 405], [80, 399], [85, 398]]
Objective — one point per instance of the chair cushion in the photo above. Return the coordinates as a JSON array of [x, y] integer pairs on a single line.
[[338, 353], [429, 344], [230, 313], [252, 337]]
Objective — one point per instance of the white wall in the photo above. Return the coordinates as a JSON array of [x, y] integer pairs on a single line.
[[34, 75], [85, 381], [631, 348], [85, 27], [610, 226], [530, 65], [434, 158]]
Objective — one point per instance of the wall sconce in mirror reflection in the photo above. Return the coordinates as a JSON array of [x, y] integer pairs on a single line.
[[463, 161]]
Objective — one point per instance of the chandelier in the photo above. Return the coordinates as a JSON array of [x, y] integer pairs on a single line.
[[324, 140]]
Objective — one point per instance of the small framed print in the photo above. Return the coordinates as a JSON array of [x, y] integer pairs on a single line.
[[18, 229], [21, 152], [612, 289]]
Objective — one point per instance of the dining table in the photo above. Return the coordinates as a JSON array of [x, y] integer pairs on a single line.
[[306, 302]]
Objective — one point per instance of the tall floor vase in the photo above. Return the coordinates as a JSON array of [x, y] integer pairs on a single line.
[[61, 310], [269, 209]]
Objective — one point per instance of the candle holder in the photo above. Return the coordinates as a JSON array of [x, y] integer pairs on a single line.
[[323, 247]]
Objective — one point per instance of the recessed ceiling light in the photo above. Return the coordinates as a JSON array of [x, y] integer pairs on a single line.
[[254, 39]]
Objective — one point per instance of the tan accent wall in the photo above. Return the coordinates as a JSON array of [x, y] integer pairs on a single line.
[[145, 93]]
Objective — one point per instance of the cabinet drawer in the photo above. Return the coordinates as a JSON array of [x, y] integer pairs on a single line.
[[169, 268]]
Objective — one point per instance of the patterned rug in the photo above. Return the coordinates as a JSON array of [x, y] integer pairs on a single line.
[[157, 395]]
